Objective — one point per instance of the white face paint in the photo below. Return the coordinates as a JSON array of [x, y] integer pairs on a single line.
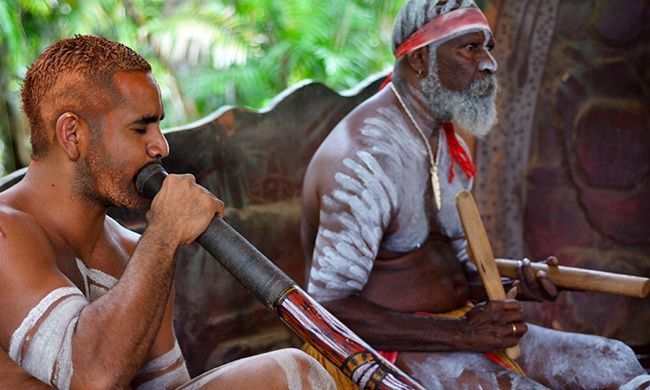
[[474, 109], [491, 63]]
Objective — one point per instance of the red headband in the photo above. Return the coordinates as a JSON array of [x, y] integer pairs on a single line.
[[446, 26], [456, 22]]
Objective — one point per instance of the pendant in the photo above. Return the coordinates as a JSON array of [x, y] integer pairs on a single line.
[[435, 185]]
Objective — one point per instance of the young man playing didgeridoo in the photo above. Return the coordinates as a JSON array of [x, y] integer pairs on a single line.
[[87, 303]]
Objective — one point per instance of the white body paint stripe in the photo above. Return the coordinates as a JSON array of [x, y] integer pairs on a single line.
[[45, 351], [96, 282], [163, 362], [170, 380]]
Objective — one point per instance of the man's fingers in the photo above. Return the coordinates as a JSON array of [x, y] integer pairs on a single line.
[[512, 293], [549, 288], [526, 278], [220, 208], [512, 329], [513, 316], [519, 328], [511, 340], [217, 203], [505, 311], [528, 271]]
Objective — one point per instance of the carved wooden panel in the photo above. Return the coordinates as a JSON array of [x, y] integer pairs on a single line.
[[583, 134]]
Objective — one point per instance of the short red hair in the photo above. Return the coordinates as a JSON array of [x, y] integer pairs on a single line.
[[76, 75]]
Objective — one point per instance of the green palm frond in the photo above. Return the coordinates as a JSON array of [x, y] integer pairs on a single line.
[[40, 8], [11, 35], [195, 35]]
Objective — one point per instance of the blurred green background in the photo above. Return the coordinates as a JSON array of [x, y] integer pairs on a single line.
[[205, 54]]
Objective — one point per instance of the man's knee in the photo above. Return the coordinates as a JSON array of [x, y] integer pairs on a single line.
[[621, 353], [618, 349], [287, 368], [301, 370], [581, 360]]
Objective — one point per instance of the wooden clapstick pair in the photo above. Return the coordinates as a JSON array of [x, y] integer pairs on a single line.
[[565, 277]]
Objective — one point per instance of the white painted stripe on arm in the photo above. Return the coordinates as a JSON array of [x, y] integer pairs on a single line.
[[42, 344]]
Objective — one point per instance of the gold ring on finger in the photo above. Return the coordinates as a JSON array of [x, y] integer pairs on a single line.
[[514, 329]]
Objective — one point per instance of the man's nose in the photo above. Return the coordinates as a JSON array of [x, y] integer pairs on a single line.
[[158, 146], [487, 64]]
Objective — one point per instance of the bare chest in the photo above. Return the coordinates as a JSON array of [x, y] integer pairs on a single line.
[[428, 279], [94, 275]]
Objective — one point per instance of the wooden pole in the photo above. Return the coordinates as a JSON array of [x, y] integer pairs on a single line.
[[481, 253], [574, 278]]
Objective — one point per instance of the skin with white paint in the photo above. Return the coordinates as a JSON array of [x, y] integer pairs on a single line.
[[42, 344], [357, 213]]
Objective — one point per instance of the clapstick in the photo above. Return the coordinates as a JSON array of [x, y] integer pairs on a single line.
[[582, 279], [481, 252]]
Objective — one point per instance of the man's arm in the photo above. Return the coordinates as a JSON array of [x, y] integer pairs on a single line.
[[14, 377], [164, 366], [106, 341], [350, 229], [486, 327]]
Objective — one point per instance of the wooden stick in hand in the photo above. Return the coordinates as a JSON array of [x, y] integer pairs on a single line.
[[581, 279], [481, 252]]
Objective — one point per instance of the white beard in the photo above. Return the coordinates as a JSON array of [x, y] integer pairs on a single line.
[[473, 110]]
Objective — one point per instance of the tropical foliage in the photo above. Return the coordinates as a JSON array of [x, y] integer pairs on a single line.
[[205, 53]]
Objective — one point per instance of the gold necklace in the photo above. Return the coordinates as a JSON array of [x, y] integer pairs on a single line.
[[435, 183]]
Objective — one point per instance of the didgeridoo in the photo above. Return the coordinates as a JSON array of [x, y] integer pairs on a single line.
[[301, 313]]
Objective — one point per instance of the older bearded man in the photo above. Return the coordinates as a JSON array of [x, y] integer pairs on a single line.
[[386, 251]]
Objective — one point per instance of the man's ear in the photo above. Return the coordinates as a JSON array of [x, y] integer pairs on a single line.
[[418, 60], [68, 134]]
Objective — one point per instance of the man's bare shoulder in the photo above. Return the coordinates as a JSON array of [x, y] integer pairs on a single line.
[[365, 124], [28, 268], [356, 132], [22, 236]]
